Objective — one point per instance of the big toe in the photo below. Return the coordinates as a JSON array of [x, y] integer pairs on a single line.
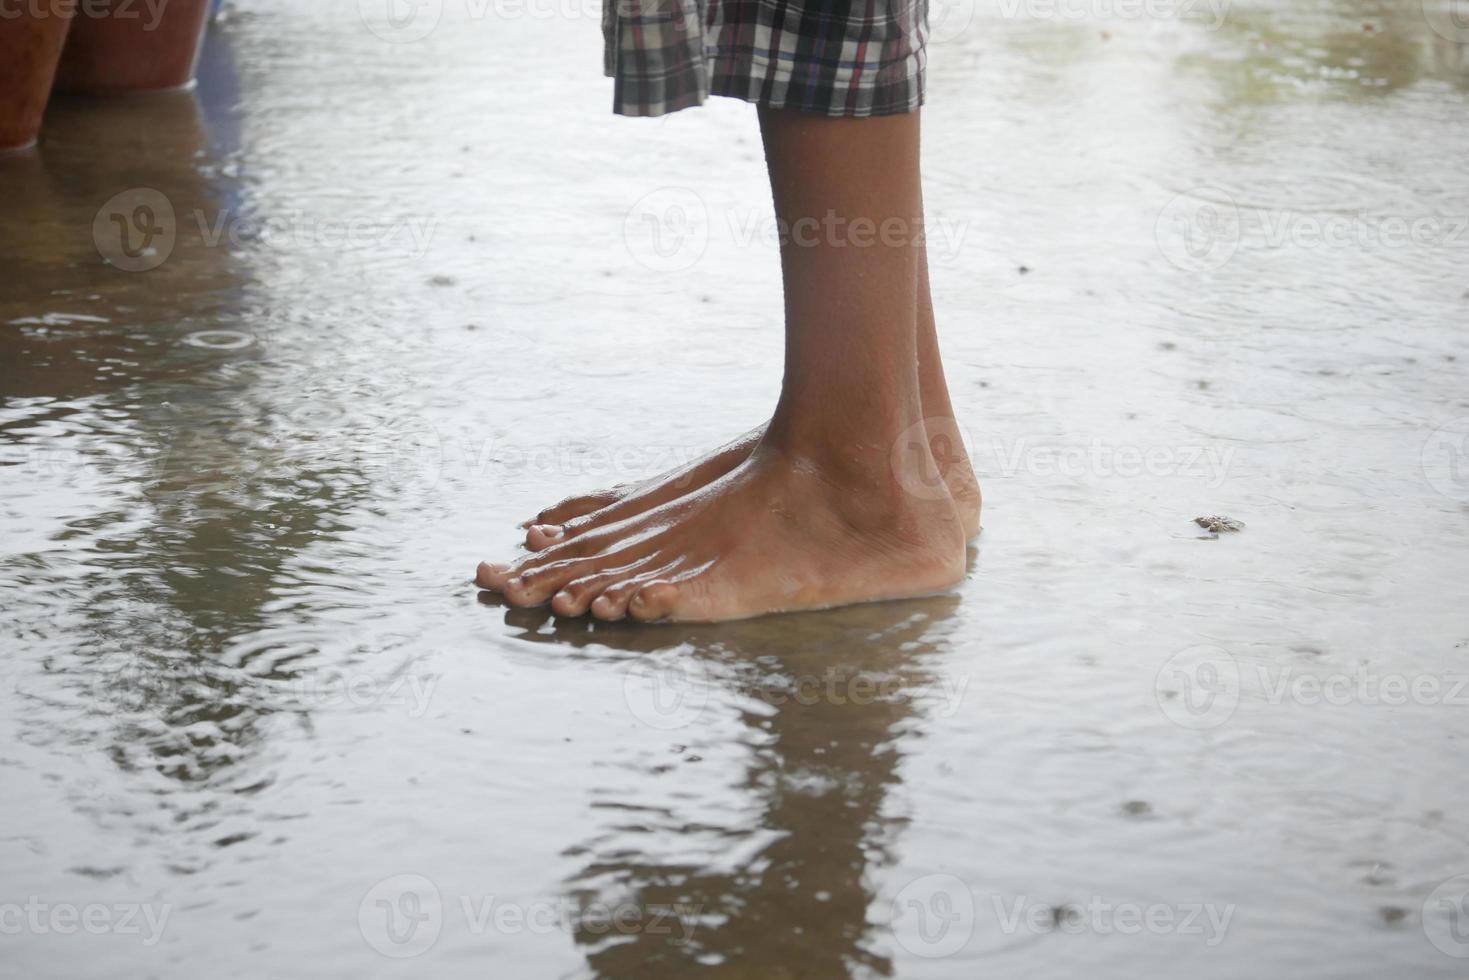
[[654, 601]]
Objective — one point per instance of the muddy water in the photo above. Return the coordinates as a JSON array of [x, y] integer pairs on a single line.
[[282, 358]]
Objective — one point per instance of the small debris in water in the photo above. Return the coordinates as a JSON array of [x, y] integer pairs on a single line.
[[1024, 270], [1392, 915], [1377, 876], [1219, 524], [1065, 914], [98, 874], [1137, 808], [1168, 345], [443, 281]]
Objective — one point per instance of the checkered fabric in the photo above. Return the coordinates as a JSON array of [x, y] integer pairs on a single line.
[[833, 57]]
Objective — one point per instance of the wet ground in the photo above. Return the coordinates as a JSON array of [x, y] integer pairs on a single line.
[[282, 358]]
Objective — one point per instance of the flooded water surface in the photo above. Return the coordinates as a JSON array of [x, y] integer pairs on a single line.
[[283, 357]]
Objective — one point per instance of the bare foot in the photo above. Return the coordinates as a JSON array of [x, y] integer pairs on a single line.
[[779, 532], [580, 514]]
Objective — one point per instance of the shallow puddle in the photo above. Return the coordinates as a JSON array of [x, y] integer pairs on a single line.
[[282, 358]]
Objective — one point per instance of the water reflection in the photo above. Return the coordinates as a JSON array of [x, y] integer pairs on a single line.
[[201, 542], [829, 705], [1360, 50], [166, 484]]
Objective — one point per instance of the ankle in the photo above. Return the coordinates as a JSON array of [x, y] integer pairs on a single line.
[[881, 476]]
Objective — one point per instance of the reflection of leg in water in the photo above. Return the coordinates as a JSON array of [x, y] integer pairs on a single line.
[[779, 884]]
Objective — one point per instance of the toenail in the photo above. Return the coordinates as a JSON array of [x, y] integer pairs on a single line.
[[552, 531], [515, 583]]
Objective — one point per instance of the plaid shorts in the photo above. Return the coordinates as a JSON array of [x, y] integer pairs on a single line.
[[833, 57]]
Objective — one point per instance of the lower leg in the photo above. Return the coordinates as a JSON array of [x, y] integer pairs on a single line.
[[851, 361], [820, 512], [585, 512], [945, 436]]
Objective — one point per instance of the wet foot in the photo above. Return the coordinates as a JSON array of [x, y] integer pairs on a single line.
[[781, 531], [579, 514]]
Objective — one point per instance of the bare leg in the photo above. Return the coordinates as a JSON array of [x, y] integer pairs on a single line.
[[823, 510], [944, 436], [585, 512]]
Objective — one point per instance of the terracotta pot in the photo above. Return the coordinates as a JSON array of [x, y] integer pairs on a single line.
[[119, 47], [30, 44]]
